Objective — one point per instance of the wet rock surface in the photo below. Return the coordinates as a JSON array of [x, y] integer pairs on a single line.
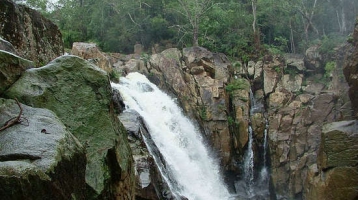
[[39, 157]]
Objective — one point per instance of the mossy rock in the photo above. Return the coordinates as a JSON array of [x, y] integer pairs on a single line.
[[80, 94]]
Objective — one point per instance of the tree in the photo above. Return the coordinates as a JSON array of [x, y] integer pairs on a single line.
[[307, 11], [193, 11]]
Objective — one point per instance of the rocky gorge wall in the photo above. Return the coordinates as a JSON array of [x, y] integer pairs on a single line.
[[311, 129], [300, 99]]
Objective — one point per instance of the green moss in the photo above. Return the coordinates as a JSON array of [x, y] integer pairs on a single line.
[[80, 95]]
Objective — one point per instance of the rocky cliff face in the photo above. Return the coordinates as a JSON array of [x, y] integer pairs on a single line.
[[351, 71], [198, 77], [34, 37], [335, 175]]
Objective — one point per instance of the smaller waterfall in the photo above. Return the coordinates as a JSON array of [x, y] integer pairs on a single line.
[[249, 165], [254, 187], [264, 175]]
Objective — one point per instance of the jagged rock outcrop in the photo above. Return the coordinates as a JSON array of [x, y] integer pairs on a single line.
[[34, 37], [115, 64], [336, 174], [39, 157], [11, 68], [90, 51], [300, 98], [80, 95], [351, 72]]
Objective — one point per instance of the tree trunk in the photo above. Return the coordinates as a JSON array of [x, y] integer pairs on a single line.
[[293, 48], [195, 36], [256, 33], [343, 18], [253, 3]]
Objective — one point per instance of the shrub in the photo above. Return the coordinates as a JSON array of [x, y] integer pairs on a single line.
[[237, 84], [329, 67]]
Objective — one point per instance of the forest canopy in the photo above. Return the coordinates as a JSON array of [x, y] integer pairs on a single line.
[[238, 28]]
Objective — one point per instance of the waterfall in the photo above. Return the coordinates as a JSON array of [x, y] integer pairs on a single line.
[[194, 173], [249, 165], [264, 176], [254, 188]]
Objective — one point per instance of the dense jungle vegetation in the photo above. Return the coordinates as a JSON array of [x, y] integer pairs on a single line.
[[238, 28]]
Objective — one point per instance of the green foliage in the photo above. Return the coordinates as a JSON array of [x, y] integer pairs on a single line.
[[237, 84], [330, 42], [273, 49], [145, 57], [203, 112], [232, 121], [277, 69], [223, 26], [114, 76], [291, 71], [329, 68]]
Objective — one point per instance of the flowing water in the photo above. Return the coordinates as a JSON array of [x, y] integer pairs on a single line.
[[249, 165], [194, 173], [264, 175], [251, 187]]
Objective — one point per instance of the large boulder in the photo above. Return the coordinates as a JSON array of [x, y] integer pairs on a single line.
[[11, 68], [336, 176], [90, 51], [33, 36], [81, 96], [39, 157]]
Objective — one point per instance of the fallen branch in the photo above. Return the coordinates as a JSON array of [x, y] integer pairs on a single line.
[[14, 120]]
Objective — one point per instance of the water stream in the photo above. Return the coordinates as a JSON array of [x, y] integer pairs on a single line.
[[251, 187], [195, 174]]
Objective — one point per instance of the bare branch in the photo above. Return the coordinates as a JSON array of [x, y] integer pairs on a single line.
[[13, 121]]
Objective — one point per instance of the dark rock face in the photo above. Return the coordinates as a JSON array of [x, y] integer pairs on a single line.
[[33, 36], [351, 72], [37, 164], [11, 68]]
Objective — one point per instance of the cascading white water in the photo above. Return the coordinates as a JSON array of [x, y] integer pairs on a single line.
[[196, 174], [249, 165], [249, 155], [255, 187], [264, 171]]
